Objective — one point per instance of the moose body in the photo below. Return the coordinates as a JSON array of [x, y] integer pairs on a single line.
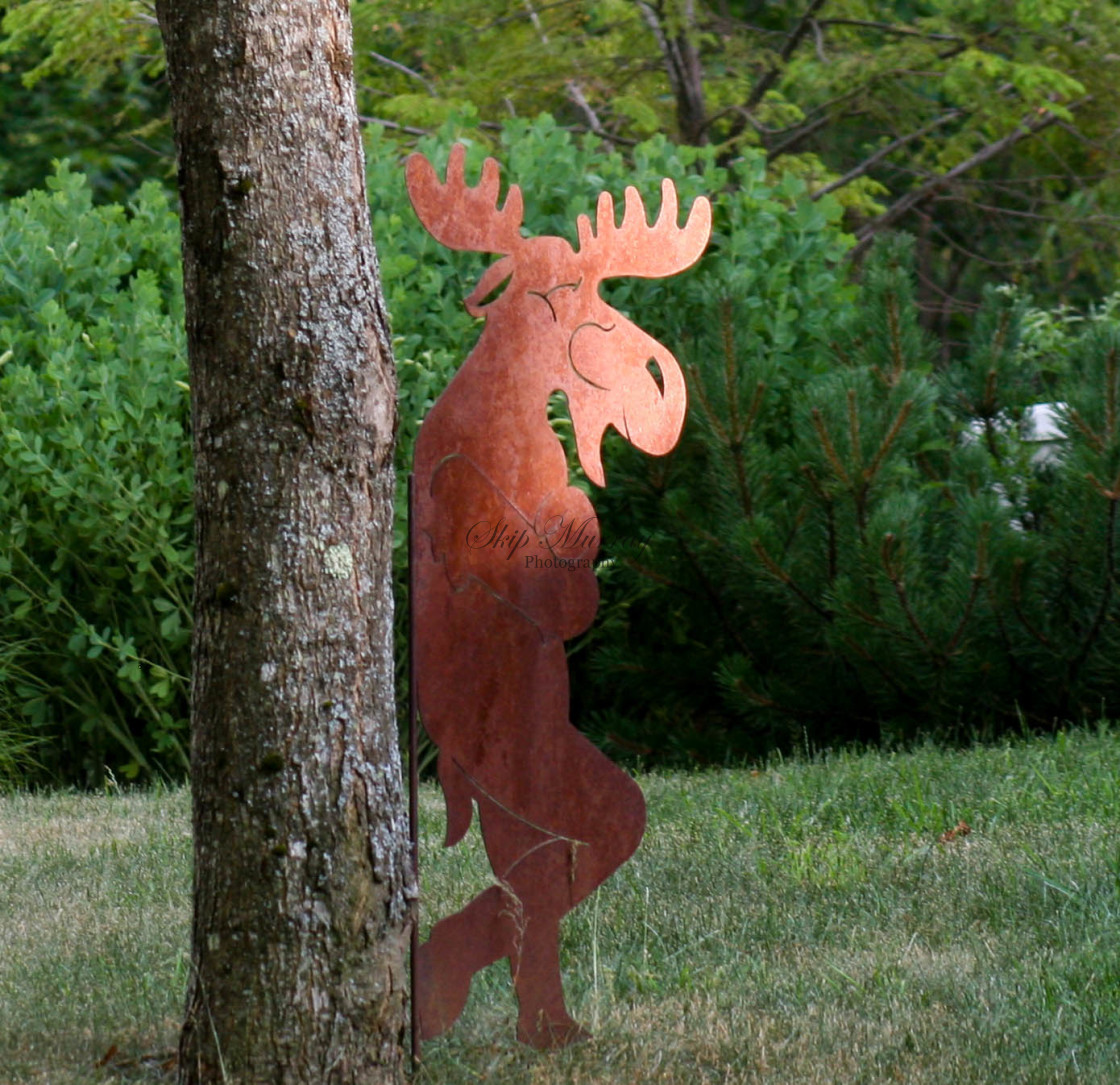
[[503, 549]]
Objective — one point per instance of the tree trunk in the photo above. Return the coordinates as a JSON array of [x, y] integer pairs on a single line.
[[302, 878], [684, 69]]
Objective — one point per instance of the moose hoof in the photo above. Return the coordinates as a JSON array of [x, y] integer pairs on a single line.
[[441, 992], [543, 1033]]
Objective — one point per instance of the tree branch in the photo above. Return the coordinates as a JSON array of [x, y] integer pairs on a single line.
[[407, 129], [771, 75], [866, 234], [686, 77], [796, 134], [363, 119], [798, 137], [404, 69], [889, 28], [883, 152], [576, 96]]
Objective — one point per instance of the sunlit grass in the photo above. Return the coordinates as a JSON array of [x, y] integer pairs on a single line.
[[799, 923]]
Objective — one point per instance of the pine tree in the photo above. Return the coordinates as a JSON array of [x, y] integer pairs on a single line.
[[855, 544]]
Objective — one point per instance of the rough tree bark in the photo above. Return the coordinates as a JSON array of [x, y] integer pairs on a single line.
[[301, 872]]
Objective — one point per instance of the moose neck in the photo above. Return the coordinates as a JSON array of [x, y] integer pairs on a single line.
[[495, 411]]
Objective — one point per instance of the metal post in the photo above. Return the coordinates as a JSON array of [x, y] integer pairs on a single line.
[[413, 802]]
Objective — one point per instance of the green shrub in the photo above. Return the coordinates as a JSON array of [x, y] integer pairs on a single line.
[[95, 555]]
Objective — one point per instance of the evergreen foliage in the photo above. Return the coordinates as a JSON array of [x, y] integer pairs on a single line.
[[865, 547]]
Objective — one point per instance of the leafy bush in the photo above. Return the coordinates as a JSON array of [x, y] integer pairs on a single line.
[[95, 555]]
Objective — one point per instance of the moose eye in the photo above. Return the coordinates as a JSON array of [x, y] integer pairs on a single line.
[[655, 372], [547, 296]]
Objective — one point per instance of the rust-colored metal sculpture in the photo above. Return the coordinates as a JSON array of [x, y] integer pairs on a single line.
[[502, 554]]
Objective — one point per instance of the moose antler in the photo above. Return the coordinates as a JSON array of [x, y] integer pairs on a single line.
[[638, 249], [461, 216]]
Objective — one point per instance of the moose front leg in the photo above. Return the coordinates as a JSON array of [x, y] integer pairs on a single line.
[[540, 562]]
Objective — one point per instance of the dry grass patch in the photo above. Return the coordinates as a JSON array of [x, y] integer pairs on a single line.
[[94, 900]]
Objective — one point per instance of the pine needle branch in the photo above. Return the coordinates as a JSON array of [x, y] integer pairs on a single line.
[[830, 513], [1107, 494], [714, 596], [1106, 594], [1017, 606], [829, 448], [780, 574], [868, 618], [853, 429], [1110, 395], [869, 657], [888, 440], [753, 695], [654, 575], [978, 577], [730, 383], [894, 330], [1004, 636], [814, 483], [988, 403], [890, 542], [698, 390], [756, 403], [1091, 435]]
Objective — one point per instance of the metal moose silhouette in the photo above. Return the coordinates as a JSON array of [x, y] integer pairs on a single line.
[[502, 552]]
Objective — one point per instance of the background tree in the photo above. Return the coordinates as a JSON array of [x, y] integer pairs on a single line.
[[988, 128], [301, 874], [83, 81]]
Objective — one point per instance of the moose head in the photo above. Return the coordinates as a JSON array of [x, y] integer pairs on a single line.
[[544, 297]]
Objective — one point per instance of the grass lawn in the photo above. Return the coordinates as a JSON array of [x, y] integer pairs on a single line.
[[801, 923]]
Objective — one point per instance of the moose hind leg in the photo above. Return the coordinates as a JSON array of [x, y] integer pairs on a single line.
[[550, 859], [556, 836], [543, 1020], [483, 932]]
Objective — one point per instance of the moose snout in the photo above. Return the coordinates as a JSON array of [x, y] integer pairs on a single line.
[[635, 382], [653, 404]]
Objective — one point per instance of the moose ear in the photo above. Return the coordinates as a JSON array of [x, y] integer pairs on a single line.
[[490, 286]]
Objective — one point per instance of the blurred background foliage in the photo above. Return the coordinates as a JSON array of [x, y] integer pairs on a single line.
[[83, 81], [859, 537], [985, 127]]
